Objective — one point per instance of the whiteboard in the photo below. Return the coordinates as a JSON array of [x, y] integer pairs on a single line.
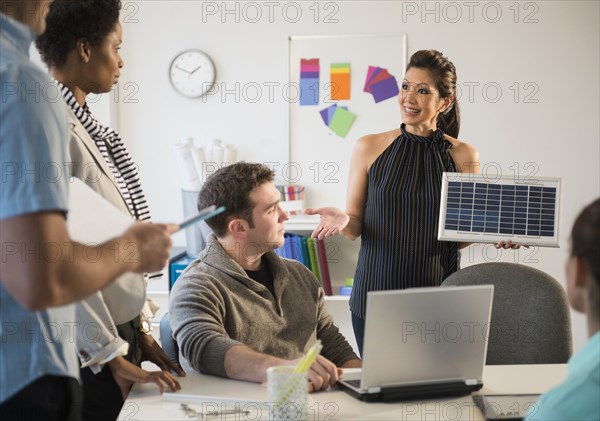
[[318, 158]]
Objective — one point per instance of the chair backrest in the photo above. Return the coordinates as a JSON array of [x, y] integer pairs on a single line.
[[531, 322], [167, 341]]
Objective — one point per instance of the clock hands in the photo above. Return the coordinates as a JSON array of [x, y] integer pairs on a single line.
[[184, 70], [187, 71], [195, 70]]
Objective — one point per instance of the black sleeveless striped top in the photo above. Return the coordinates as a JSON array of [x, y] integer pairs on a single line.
[[399, 247]]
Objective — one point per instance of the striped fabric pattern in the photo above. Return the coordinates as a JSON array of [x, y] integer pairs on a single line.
[[399, 246], [115, 154], [117, 158]]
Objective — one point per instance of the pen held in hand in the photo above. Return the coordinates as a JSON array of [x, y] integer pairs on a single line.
[[204, 214]]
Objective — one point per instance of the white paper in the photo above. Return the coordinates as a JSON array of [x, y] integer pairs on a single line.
[[185, 163], [198, 158], [91, 218]]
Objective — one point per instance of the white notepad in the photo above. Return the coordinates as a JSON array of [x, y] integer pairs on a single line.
[[91, 218]]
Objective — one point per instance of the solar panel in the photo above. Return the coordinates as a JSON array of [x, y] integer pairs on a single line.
[[475, 208]]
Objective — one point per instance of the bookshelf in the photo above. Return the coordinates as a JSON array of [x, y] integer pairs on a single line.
[[341, 252]]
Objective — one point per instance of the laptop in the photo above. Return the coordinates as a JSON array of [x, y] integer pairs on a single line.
[[423, 343]]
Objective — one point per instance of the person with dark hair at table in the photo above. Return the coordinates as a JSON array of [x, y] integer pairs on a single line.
[[577, 398]]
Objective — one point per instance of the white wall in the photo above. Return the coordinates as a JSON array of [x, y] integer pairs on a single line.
[[550, 53]]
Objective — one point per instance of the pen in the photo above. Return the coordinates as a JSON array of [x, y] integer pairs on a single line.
[[191, 412]]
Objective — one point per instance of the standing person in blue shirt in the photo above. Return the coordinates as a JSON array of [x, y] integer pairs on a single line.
[[577, 397], [41, 267]]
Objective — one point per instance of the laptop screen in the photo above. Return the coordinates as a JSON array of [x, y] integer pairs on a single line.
[[426, 335]]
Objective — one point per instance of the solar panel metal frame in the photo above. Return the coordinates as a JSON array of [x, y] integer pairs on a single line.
[[487, 237]]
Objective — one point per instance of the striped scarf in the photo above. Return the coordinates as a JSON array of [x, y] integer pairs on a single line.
[[115, 154], [117, 158]]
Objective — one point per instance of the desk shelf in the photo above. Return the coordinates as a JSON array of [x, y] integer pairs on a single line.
[[302, 223]]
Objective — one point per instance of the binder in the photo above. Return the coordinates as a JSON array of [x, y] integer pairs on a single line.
[[312, 253], [322, 257]]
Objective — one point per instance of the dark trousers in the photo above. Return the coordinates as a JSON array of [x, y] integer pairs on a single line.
[[48, 398], [358, 325], [102, 400]]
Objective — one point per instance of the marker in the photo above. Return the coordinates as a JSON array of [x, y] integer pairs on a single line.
[[304, 364], [204, 214]]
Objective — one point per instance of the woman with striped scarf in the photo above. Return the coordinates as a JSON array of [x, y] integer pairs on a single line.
[[81, 48]]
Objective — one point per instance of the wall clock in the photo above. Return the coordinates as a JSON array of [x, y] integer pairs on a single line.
[[192, 73]]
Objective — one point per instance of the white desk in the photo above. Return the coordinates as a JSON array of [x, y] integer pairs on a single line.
[[145, 402]]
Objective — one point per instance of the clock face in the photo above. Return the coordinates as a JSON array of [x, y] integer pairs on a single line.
[[192, 73]]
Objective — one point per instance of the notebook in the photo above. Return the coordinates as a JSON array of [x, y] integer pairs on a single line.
[[422, 343]]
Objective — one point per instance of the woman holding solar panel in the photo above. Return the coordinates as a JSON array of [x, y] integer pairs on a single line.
[[394, 189]]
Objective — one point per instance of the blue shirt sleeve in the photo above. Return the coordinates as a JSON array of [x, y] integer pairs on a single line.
[[33, 141], [545, 410]]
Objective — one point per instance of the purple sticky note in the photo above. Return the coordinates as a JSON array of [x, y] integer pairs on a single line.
[[378, 77], [325, 114], [309, 75], [385, 89]]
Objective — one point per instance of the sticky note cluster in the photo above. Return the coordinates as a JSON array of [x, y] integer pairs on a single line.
[[309, 81], [340, 81], [338, 119], [381, 84]]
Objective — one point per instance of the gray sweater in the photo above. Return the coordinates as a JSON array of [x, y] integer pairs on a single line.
[[214, 305]]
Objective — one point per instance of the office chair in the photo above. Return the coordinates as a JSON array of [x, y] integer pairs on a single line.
[[167, 341], [531, 322]]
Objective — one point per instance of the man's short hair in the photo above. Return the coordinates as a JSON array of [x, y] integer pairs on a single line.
[[231, 186]]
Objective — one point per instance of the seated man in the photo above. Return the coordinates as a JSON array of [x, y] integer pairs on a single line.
[[577, 397], [239, 308]]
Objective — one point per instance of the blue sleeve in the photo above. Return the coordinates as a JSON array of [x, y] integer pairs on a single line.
[[546, 411], [33, 141]]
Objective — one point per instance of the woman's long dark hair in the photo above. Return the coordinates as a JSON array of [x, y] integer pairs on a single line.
[[444, 73]]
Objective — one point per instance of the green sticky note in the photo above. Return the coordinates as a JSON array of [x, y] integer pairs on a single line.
[[340, 65], [341, 121]]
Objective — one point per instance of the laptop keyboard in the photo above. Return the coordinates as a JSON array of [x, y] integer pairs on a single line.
[[354, 383]]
